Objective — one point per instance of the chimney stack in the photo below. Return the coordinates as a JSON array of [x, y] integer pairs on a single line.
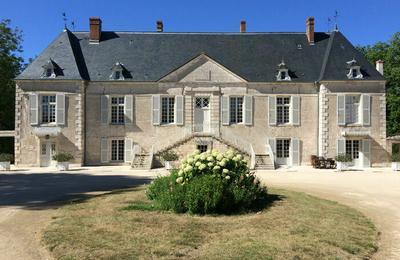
[[243, 26], [95, 29], [310, 29], [160, 26], [379, 66]]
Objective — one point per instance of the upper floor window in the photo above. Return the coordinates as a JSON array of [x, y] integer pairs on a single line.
[[354, 70], [118, 72], [282, 110], [48, 108], [236, 110], [51, 69], [117, 150], [283, 72], [117, 110], [352, 109], [167, 110]]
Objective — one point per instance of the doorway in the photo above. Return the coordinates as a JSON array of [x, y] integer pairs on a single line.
[[202, 114], [47, 150]]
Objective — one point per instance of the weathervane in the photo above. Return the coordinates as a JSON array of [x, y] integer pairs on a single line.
[[65, 20], [335, 17]]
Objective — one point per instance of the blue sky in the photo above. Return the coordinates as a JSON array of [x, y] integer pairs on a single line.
[[362, 21]]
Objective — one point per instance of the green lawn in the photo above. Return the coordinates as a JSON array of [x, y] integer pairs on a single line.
[[124, 225]]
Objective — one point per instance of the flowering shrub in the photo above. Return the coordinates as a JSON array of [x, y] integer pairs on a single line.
[[209, 182]]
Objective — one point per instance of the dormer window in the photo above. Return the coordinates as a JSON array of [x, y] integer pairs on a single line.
[[354, 70], [118, 72], [51, 69], [283, 72]]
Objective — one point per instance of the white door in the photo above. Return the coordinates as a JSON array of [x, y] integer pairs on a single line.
[[202, 114], [282, 151], [353, 148], [47, 150]]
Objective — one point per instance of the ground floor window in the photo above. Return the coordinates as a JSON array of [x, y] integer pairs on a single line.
[[353, 148], [117, 150], [282, 148], [202, 148]]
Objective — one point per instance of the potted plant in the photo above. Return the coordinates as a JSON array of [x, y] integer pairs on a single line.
[[169, 157], [62, 160], [396, 161], [5, 160], [343, 161]]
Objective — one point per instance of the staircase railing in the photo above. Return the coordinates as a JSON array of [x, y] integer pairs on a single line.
[[271, 154], [252, 158], [151, 155]]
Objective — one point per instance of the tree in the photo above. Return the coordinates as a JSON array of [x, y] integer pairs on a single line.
[[390, 53], [10, 66]]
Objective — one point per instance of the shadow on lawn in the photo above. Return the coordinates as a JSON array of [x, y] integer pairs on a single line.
[[38, 191]]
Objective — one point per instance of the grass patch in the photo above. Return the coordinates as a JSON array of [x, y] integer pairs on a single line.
[[127, 225]]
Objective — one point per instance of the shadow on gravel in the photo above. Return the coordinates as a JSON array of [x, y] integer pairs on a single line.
[[38, 191]]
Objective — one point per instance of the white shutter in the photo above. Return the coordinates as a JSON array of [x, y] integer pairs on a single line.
[[34, 109], [341, 146], [179, 112], [248, 110], [366, 150], [341, 109], [128, 109], [225, 110], [156, 109], [295, 110], [272, 143], [104, 150], [128, 150], [366, 109], [104, 103], [60, 103], [272, 110], [295, 153]]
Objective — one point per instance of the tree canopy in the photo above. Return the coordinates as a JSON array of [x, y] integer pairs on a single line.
[[389, 52]]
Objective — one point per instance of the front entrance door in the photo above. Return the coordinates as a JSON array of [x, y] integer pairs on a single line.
[[353, 148], [202, 114], [47, 150], [282, 151]]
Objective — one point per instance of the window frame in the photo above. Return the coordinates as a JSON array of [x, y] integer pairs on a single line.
[[281, 145], [120, 154], [352, 149], [168, 114], [283, 112], [118, 105], [237, 113], [48, 109], [349, 109]]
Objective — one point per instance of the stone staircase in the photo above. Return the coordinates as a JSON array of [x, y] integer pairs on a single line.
[[141, 161], [264, 162]]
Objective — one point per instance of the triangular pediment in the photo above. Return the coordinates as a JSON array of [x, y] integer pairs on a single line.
[[202, 69]]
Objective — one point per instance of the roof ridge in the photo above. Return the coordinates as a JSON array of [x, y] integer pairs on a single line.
[[207, 33], [326, 56]]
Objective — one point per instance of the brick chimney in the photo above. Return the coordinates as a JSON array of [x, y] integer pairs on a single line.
[[379, 66], [160, 26], [95, 29], [243, 26], [310, 29]]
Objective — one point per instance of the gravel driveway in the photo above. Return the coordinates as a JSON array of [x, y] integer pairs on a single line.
[[375, 192]]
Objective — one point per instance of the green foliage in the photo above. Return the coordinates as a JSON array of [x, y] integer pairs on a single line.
[[170, 156], [396, 157], [63, 157], [198, 188], [389, 52], [343, 158], [6, 157]]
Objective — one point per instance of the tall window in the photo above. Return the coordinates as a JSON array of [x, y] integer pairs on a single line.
[[353, 148], [236, 110], [352, 109], [117, 110], [49, 109], [117, 150], [282, 110], [167, 110], [282, 148]]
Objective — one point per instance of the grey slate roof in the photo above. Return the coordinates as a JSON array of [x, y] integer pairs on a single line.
[[252, 56]]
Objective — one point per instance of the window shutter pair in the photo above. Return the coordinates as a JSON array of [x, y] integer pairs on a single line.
[[179, 109], [247, 110], [365, 149], [365, 114], [105, 150], [128, 109], [294, 110], [34, 109]]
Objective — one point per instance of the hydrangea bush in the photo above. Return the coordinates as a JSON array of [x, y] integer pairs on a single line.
[[209, 182]]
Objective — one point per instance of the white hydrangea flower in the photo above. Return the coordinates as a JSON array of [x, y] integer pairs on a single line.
[[198, 164], [227, 177], [210, 158], [225, 170], [202, 157], [202, 166], [179, 180], [216, 167], [220, 157], [210, 164]]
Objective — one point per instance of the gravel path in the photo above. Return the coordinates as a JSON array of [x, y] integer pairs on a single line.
[[374, 192]]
